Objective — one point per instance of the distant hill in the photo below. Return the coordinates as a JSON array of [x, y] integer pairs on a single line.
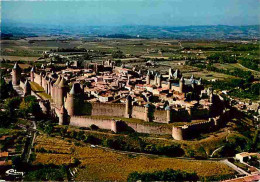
[[218, 32]]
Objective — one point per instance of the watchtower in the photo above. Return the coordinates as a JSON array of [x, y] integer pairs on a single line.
[[181, 85], [16, 74], [27, 88], [128, 107]]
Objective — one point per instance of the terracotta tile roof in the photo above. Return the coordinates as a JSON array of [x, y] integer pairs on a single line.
[[3, 154], [250, 178]]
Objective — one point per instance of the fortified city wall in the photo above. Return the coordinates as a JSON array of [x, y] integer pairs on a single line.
[[122, 110], [110, 124]]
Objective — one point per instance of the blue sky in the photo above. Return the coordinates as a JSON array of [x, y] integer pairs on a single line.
[[133, 12]]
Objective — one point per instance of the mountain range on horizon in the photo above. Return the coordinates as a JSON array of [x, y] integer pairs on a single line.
[[207, 32]]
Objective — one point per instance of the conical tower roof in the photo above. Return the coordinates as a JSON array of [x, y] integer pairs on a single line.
[[62, 110], [57, 81], [129, 97], [33, 69], [200, 81], [167, 107], [62, 83], [148, 72], [16, 66], [182, 79], [177, 73], [72, 91], [27, 84]]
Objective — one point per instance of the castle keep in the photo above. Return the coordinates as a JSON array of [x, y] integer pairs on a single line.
[[120, 98]]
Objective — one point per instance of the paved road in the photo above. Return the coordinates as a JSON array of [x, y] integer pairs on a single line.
[[29, 141], [247, 68], [233, 166], [154, 155]]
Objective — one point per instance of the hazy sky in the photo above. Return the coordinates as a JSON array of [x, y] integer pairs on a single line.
[[133, 12]]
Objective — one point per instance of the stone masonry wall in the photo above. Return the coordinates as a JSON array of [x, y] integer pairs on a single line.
[[160, 116], [108, 109], [138, 112], [37, 78], [82, 121]]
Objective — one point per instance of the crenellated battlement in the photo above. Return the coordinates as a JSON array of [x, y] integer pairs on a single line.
[[190, 130]]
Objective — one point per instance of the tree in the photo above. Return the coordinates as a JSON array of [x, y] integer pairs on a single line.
[[94, 127], [11, 104], [3, 89], [118, 54], [16, 161], [167, 175], [76, 162], [30, 105]]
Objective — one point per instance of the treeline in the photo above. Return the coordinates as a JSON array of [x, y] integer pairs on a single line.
[[173, 175], [251, 64], [125, 143], [251, 92], [74, 49], [245, 90], [118, 54], [47, 173], [246, 47], [15, 107], [167, 175], [222, 58], [120, 36], [247, 75]]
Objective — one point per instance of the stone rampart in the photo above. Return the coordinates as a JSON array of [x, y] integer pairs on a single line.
[[37, 78], [83, 121], [160, 116], [192, 130], [111, 124], [108, 109], [138, 112]]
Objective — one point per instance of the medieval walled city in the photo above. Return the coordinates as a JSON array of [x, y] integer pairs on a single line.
[[152, 102]]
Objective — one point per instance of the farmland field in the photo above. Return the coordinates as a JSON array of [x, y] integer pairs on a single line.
[[136, 51], [239, 66], [100, 164]]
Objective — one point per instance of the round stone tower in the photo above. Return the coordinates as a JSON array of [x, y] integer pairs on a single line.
[[159, 80], [62, 116], [55, 89], [41, 79], [62, 88], [32, 74], [168, 113], [181, 84], [70, 102], [128, 107], [16, 74], [74, 100], [27, 88], [148, 78], [114, 126], [177, 133], [147, 113], [155, 79], [170, 73]]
